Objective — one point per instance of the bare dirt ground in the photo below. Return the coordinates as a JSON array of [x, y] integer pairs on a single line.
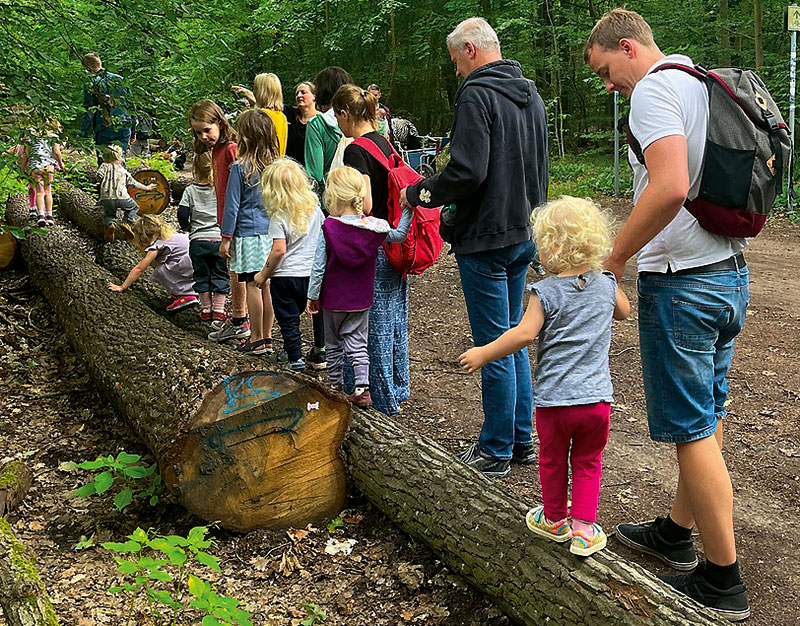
[[50, 413]]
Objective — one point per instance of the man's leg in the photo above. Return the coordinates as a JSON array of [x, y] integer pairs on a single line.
[[681, 511]]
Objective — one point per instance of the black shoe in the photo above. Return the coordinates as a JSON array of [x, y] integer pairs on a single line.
[[730, 604], [524, 455], [488, 465], [646, 538], [315, 359]]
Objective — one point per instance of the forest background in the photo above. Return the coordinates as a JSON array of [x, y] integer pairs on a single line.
[[174, 52]]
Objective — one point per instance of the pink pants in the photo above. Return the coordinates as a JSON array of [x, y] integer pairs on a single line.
[[586, 428]]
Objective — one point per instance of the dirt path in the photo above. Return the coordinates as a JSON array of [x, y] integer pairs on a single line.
[[50, 412]]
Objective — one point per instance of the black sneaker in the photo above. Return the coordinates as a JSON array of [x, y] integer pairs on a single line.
[[488, 465], [524, 455], [315, 359], [645, 537], [730, 604]]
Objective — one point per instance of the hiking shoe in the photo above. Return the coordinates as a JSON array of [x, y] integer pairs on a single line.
[[488, 465], [537, 523], [363, 399], [645, 537], [584, 546], [126, 230], [730, 604], [255, 348], [316, 359], [229, 331], [181, 302], [109, 234], [524, 455]]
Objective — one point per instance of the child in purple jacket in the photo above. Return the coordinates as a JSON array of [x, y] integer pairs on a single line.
[[343, 276]]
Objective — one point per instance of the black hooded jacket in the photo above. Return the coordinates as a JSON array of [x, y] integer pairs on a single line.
[[498, 169]]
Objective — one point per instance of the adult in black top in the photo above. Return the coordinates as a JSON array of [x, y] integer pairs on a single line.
[[298, 116], [358, 158]]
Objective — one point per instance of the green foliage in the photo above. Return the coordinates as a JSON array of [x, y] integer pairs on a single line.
[[154, 162], [126, 469], [587, 176], [315, 615], [335, 524], [160, 572]]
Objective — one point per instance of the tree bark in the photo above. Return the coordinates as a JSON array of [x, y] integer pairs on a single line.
[[723, 34], [478, 530], [15, 480], [22, 595], [247, 446]]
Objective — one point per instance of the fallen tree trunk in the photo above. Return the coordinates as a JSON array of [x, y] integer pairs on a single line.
[[22, 595], [246, 446], [15, 480]]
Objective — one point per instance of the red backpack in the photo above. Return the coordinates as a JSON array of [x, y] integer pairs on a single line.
[[423, 245]]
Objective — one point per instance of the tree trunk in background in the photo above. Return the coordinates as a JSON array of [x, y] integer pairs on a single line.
[[392, 51], [757, 35], [249, 447], [724, 35]]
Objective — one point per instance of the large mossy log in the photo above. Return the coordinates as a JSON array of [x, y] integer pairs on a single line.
[[235, 443], [23, 597]]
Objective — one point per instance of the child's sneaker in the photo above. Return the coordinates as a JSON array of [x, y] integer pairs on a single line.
[[205, 315], [181, 302], [126, 230], [110, 233], [255, 348], [537, 523], [49, 219], [363, 399], [584, 546], [218, 318], [298, 366], [229, 330], [41, 221], [316, 359]]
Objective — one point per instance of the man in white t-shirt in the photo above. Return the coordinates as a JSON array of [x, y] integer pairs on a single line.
[[693, 293]]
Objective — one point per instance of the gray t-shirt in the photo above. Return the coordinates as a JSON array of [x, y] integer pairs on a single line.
[[300, 247], [572, 357], [202, 203]]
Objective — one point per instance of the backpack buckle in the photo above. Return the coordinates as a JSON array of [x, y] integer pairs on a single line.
[[761, 102]]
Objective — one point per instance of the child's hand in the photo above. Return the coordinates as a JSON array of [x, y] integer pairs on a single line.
[[151, 186], [116, 288], [225, 248], [312, 307], [260, 279], [472, 360]]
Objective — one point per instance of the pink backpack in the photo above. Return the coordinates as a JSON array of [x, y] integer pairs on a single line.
[[422, 248]]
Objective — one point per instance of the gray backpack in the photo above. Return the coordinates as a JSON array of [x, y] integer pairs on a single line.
[[746, 153]]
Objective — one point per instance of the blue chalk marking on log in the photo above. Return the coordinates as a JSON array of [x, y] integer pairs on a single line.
[[233, 385], [215, 439]]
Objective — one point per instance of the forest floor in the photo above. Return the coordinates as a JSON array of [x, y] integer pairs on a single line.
[[51, 414]]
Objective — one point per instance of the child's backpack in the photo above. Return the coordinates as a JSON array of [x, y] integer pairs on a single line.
[[747, 150], [423, 245]]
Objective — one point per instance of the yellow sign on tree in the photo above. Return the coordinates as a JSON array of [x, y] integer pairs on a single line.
[[793, 18]]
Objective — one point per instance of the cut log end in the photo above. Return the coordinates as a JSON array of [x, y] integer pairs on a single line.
[[9, 248], [267, 445], [15, 480]]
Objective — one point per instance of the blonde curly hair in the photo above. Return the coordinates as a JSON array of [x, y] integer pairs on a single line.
[[345, 186], [287, 193], [571, 233], [147, 229]]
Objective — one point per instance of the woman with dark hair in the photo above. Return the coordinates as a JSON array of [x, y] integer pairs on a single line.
[[299, 115], [322, 133], [389, 371]]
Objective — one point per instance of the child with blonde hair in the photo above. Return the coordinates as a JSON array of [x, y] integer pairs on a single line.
[[167, 252], [571, 315], [114, 196], [245, 225], [294, 225], [197, 213], [343, 276], [267, 95]]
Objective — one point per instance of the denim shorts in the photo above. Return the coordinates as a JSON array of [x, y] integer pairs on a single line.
[[687, 324]]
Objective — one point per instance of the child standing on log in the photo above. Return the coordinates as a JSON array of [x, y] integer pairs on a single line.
[[245, 225], [213, 133], [294, 226], [197, 213], [39, 155], [114, 183], [571, 315], [343, 276], [167, 252]]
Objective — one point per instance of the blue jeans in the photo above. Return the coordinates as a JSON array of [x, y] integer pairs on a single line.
[[687, 324], [109, 135], [493, 284]]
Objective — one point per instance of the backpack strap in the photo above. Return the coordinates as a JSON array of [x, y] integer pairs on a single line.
[[624, 127], [374, 151]]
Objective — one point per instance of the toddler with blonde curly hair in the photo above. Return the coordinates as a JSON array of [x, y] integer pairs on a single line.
[[570, 313]]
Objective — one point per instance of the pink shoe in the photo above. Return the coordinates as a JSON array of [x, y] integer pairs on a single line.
[[363, 399], [181, 302], [205, 314]]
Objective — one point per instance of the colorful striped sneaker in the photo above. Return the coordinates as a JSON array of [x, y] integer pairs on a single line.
[[537, 523], [584, 546]]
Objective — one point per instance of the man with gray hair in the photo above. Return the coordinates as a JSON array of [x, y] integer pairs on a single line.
[[497, 174]]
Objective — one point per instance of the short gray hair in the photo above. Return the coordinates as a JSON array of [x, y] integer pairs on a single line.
[[477, 31]]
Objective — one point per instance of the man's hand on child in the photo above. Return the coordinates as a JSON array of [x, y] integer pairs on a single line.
[[116, 288], [472, 360], [312, 307]]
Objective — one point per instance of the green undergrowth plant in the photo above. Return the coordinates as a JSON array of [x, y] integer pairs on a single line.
[[315, 614], [161, 575], [588, 175], [154, 162], [137, 479]]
